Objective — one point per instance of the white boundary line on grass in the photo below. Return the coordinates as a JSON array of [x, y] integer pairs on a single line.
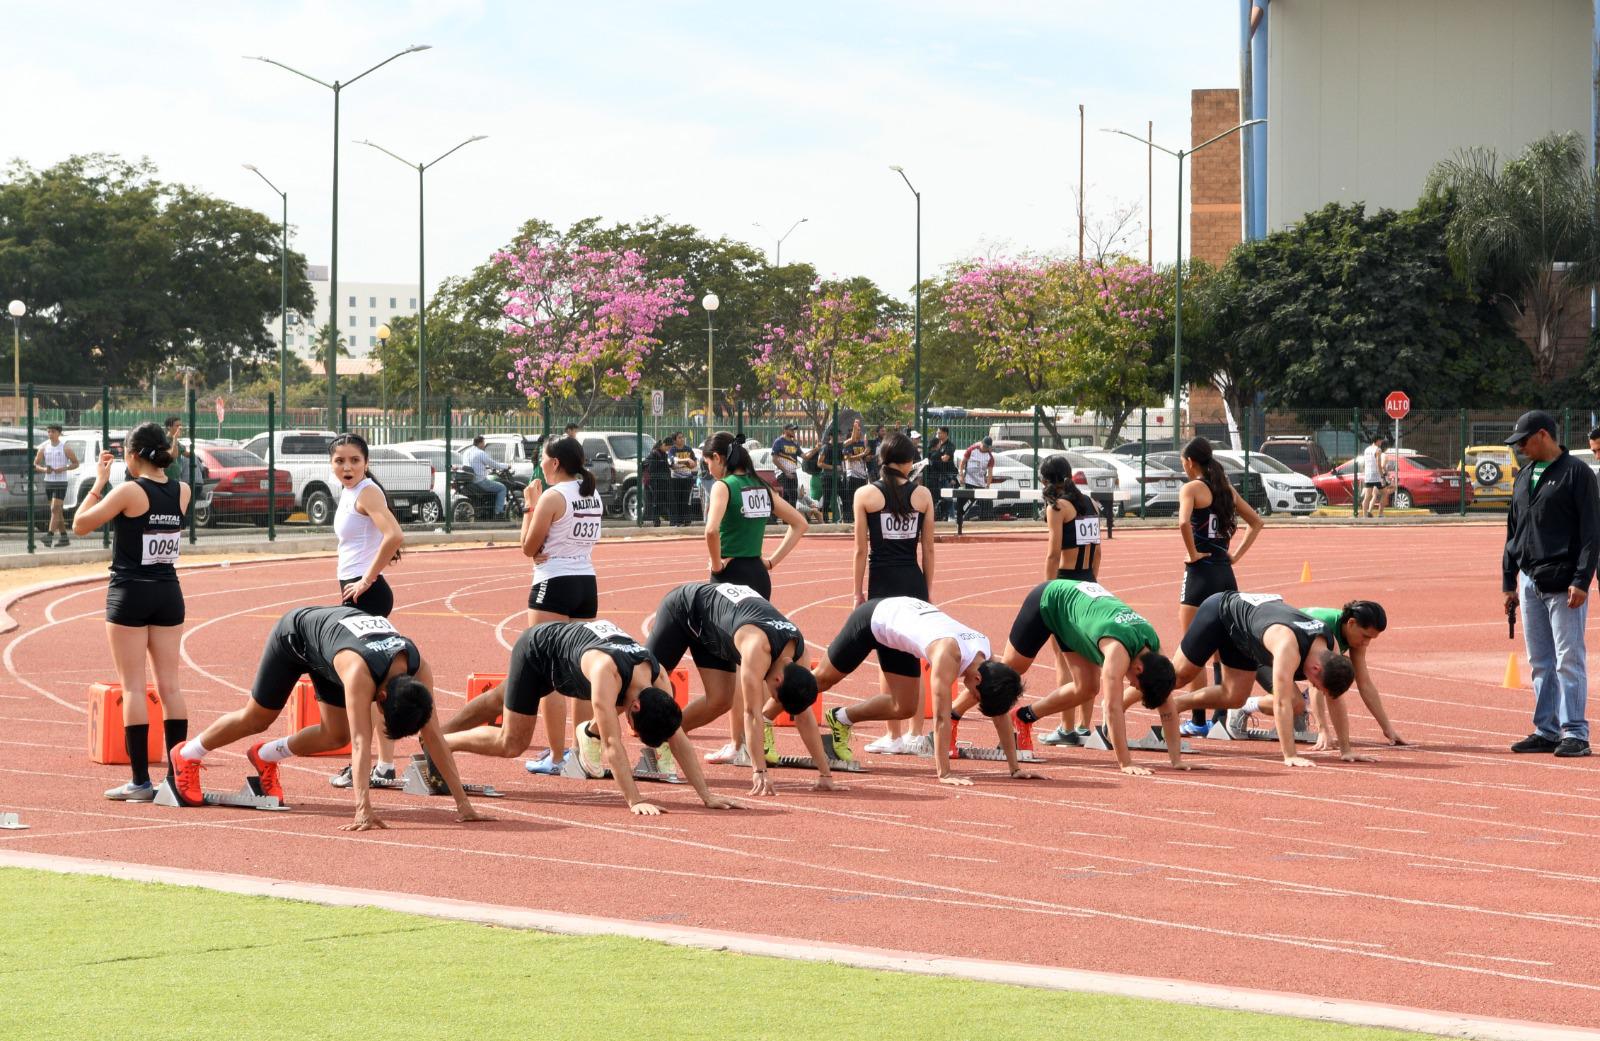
[[1354, 1013]]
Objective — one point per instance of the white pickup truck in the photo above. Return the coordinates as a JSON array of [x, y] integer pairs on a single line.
[[304, 454]]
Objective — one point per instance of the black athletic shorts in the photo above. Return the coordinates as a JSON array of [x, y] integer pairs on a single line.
[[1029, 634], [55, 490], [378, 600], [1208, 635], [670, 636], [1204, 578], [855, 641], [904, 580], [1075, 574], [576, 596], [281, 668], [526, 687], [138, 604], [746, 571]]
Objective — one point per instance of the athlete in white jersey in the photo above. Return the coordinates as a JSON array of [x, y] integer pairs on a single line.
[[905, 632]]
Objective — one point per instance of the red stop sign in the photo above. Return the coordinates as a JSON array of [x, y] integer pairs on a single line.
[[1397, 404]]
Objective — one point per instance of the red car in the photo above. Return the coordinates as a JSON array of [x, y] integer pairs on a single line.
[[240, 492], [1424, 482]]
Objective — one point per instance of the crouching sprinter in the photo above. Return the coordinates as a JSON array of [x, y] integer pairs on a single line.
[[356, 661]]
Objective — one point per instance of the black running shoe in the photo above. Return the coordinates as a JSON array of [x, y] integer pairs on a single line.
[[1572, 748], [1536, 743]]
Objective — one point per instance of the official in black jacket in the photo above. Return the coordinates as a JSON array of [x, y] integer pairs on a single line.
[[1552, 532]]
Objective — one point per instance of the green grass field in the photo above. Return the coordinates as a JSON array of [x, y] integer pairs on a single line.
[[99, 958]]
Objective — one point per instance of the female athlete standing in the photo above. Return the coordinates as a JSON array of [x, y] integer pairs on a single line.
[[1209, 511], [144, 602], [369, 541], [736, 525], [892, 518], [1072, 552], [559, 530]]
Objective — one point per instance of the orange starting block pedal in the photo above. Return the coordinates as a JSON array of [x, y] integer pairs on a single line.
[[108, 744], [480, 683], [786, 720], [680, 686], [303, 712], [927, 692]]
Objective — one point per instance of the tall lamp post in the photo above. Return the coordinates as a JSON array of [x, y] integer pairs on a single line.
[[17, 310], [710, 303], [333, 273], [383, 373], [779, 261], [1177, 296], [283, 292], [916, 351], [422, 287]]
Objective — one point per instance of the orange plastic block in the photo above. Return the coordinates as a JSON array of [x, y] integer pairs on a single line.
[[927, 692], [303, 712], [107, 745], [786, 720], [483, 682], [680, 686]]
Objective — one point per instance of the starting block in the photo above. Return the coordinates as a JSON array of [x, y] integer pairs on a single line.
[[995, 754], [108, 743], [1219, 732], [303, 712], [1154, 741], [648, 768], [805, 762], [249, 797], [422, 779], [11, 822]]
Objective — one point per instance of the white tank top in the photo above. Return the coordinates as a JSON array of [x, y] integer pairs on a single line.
[[55, 458], [359, 538], [911, 625], [978, 468], [1369, 465], [572, 535]]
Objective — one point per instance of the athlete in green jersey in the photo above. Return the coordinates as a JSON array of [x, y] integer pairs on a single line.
[[1110, 650], [1354, 626], [736, 518]]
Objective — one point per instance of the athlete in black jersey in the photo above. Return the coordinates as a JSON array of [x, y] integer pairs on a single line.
[[355, 661], [588, 661], [144, 602], [738, 638], [1072, 552], [1246, 630]]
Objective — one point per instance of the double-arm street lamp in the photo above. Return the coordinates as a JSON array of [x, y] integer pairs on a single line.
[[283, 293], [779, 261], [916, 365]]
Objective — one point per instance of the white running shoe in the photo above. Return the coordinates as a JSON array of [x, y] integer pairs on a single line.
[[1238, 724], [888, 744], [131, 792], [917, 745], [724, 756]]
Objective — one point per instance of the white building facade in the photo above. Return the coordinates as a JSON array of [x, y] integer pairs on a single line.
[[363, 306]]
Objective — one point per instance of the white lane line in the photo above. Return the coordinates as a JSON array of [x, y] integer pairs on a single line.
[[1452, 867], [1289, 820], [1491, 957], [1319, 856], [970, 860], [1400, 831], [1569, 813], [1528, 842], [1200, 881], [980, 824], [1094, 835], [1328, 939], [1187, 812], [859, 849], [1198, 845], [758, 838], [1475, 805]]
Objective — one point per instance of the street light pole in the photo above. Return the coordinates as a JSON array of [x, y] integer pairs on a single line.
[[283, 293], [17, 309], [779, 261], [422, 285], [916, 351], [333, 266], [1177, 295], [710, 303]]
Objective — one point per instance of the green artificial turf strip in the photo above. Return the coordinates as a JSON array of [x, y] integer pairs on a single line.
[[90, 957]]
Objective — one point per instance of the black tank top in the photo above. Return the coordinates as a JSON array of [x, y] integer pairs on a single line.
[[1248, 616], [320, 633], [718, 610], [1080, 535], [1209, 541], [555, 653], [892, 541], [145, 548]]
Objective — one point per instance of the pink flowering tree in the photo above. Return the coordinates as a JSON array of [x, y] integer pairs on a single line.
[[840, 350], [581, 320], [1007, 309]]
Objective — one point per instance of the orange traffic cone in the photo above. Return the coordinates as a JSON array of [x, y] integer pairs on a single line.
[[1305, 571], [1513, 680]]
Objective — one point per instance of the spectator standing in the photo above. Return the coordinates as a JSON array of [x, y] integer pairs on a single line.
[[657, 477], [872, 452], [855, 469], [480, 461], [55, 459], [830, 466], [571, 430], [977, 471], [683, 467], [174, 428], [1552, 531], [1372, 476], [786, 458], [941, 471]]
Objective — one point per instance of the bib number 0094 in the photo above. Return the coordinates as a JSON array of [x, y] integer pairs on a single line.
[[161, 547]]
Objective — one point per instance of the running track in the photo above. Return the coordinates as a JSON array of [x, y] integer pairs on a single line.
[[1451, 876]]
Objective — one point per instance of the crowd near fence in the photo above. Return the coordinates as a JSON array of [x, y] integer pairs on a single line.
[[1440, 461]]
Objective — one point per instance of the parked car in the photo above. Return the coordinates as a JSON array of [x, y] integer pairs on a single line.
[[1303, 455], [407, 482], [432, 453], [516, 452], [1422, 481], [1492, 469], [1253, 491], [1585, 456], [1287, 491], [614, 457], [240, 489], [1161, 484], [1014, 469], [15, 462]]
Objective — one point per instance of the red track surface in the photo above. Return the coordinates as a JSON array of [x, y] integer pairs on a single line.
[[1453, 875]]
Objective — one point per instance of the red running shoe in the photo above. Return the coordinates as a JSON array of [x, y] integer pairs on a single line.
[[955, 725], [1024, 734], [268, 772], [185, 777]]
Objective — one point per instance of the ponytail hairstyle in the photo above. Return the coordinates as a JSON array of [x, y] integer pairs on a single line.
[[735, 456], [897, 449], [1215, 478], [568, 455], [1368, 614], [149, 442], [1055, 473], [361, 445]]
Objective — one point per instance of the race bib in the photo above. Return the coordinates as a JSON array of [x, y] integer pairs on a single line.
[[1257, 599], [1087, 530], [161, 547], [586, 529], [1093, 590], [605, 630], [894, 527], [734, 593], [369, 625], [1310, 626], [755, 502]]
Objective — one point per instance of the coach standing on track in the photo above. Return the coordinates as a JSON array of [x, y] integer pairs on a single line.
[[1551, 533]]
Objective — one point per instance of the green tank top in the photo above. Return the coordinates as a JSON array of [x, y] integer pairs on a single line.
[[1081, 614], [744, 523], [1329, 616]]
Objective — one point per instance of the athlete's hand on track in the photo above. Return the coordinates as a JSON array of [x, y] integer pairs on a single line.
[[1357, 757], [827, 784], [1186, 766], [1396, 739], [469, 814], [646, 809], [1297, 760], [1136, 771], [956, 780], [717, 802], [761, 785], [364, 822], [1324, 744], [1026, 775]]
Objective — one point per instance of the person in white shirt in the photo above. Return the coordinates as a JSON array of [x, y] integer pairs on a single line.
[[480, 462], [55, 459], [1373, 480], [977, 471]]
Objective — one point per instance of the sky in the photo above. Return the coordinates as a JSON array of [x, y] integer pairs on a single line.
[[719, 114]]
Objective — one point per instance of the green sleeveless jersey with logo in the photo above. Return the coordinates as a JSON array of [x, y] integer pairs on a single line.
[[1081, 614], [1329, 616], [744, 523]]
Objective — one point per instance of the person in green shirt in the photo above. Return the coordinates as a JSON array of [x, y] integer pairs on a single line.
[[175, 469], [736, 522], [1110, 650]]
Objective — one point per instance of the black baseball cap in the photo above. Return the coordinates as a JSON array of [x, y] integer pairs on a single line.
[[988, 441], [788, 426], [1530, 423]]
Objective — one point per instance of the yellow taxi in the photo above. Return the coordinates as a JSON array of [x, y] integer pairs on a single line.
[[1491, 469]]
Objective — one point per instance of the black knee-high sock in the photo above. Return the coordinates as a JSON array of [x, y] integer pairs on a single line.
[[1219, 715], [137, 737], [175, 732]]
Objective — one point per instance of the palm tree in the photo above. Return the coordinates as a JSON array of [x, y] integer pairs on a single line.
[[1530, 229]]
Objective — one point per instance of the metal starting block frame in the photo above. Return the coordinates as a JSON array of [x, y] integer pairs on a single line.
[[1155, 741], [648, 768], [417, 782], [249, 797], [1219, 732], [992, 754], [12, 822], [805, 762]]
